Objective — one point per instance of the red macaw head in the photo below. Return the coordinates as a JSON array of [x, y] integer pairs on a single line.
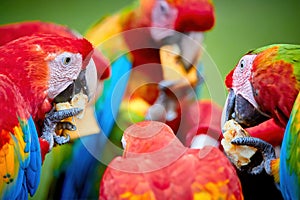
[[9, 32], [263, 85], [53, 68], [180, 15]]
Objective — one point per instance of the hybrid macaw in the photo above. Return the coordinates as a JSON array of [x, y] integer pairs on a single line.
[[265, 84], [156, 165], [37, 71]]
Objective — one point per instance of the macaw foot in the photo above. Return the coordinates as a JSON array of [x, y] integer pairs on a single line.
[[266, 151], [53, 121], [66, 125]]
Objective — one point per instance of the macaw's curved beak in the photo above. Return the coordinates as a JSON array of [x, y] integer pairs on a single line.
[[86, 83], [242, 111], [189, 44]]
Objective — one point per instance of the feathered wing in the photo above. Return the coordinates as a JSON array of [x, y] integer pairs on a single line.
[[107, 106], [289, 170], [20, 157], [83, 169], [291, 54], [278, 63]]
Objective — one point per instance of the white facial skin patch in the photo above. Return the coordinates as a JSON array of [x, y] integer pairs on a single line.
[[64, 69], [241, 79]]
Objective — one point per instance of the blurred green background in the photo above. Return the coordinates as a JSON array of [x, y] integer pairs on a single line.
[[241, 25]]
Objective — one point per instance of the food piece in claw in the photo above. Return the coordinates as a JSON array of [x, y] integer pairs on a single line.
[[79, 100], [239, 155]]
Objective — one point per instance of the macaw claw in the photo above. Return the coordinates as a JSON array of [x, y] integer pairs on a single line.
[[53, 121], [61, 139], [66, 125], [57, 116], [265, 149]]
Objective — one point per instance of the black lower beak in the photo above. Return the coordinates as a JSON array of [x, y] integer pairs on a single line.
[[81, 84], [229, 107], [76, 87], [66, 95], [242, 111]]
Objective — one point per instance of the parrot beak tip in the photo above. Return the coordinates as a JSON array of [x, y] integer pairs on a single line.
[[238, 108]]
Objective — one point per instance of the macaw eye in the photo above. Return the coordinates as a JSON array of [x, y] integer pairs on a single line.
[[242, 64], [66, 60], [164, 7]]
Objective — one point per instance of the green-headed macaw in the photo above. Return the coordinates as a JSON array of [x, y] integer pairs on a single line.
[[37, 71], [156, 165], [265, 84]]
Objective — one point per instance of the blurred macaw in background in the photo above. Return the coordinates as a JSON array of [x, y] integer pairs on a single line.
[[265, 84], [37, 71], [139, 31], [203, 120], [132, 40], [58, 158], [156, 165]]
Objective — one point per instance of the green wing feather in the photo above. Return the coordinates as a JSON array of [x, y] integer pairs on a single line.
[[289, 53]]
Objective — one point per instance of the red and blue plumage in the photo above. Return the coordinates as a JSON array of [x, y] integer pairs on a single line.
[[289, 170], [20, 156], [9, 32], [27, 90], [132, 25]]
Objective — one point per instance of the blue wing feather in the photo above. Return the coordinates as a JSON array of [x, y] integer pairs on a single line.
[[28, 160], [289, 171], [33, 170], [87, 151], [107, 107]]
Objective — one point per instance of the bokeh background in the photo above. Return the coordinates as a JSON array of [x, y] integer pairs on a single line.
[[241, 25]]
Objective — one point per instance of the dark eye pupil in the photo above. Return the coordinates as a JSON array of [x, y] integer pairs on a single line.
[[242, 64], [67, 60]]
